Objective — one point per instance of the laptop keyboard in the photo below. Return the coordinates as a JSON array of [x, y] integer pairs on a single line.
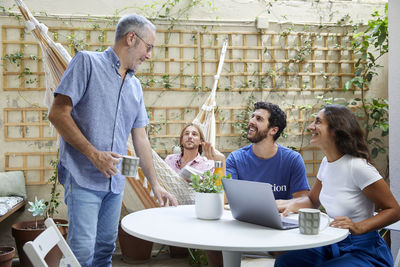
[[289, 222], [285, 224]]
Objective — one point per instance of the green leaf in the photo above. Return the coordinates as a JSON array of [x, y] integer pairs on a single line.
[[359, 71], [348, 85], [364, 56], [374, 152]]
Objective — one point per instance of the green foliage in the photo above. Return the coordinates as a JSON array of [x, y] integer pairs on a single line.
[[76, 43], [242, 122], [7, 11], [207, 183], [166, 82], [371, 45], [197, 258], [378, 119], [54, 201], [15, 58]]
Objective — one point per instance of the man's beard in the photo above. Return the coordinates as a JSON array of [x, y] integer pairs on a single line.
[[258, 137], [194, 147]]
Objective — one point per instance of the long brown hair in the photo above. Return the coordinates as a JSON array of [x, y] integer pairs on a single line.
[[201, 137], [349, 137]]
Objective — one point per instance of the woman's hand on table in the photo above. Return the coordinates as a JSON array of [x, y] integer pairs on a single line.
[[346, 223]]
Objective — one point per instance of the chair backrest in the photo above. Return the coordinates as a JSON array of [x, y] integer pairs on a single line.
[[397, 259], [37, 249]]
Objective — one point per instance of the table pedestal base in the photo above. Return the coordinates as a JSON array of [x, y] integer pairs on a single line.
[[232, 258]]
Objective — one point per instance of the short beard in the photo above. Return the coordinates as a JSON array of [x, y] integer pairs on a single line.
[[191, 148], [258, 137]]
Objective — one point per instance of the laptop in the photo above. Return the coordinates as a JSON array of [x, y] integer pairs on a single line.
[[254, 202]]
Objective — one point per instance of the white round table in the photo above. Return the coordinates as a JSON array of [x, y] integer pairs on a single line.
[[178, 226]]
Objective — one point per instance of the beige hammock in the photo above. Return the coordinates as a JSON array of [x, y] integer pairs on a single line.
[[138, 194]]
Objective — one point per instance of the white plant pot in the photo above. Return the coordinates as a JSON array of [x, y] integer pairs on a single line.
[[209, 206]]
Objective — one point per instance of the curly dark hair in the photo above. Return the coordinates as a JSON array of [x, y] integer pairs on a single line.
[[349, 137], [277, 116]]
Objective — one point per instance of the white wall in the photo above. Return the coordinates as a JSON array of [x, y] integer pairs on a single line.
[[304, 11], [394, 97]]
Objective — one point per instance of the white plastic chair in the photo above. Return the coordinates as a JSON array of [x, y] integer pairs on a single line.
[[397, 260], [36, 250], [395, 227]]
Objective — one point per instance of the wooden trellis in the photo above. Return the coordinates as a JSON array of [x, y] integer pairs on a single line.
[[167, 122], [36, 165], [27, 124], [184, 61], [187, 60], [312, 157]]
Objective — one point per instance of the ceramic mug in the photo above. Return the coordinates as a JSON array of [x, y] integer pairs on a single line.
[[129, 166], [310, 220]]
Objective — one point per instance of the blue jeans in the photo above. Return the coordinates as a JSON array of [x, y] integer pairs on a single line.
[[93, 223]]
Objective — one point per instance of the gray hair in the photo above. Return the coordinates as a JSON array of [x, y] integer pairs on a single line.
[[133, 23]]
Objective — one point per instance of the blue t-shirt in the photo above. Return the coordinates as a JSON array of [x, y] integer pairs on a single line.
[[105, 109], [285, 171]]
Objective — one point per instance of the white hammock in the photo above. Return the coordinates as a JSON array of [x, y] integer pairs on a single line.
[[167, 177], [137, 194]]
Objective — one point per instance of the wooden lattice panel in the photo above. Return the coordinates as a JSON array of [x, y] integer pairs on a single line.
[[167, 122], [312, 157], [22, 58], [22, 64], [27, 124], [187, 60], [35, 165], [267, 60]]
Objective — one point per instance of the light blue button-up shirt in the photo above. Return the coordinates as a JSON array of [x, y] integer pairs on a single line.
[[105, 110]]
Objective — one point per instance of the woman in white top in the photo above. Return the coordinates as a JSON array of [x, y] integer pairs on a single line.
[[349, 188]]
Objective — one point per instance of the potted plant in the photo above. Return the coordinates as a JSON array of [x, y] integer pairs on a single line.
[[209, 195], [28, 230], [6, 256]]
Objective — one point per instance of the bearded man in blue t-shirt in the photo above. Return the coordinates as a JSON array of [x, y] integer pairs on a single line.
[[266, 161]]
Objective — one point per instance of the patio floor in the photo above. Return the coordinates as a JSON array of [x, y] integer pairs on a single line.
[[164, 260]]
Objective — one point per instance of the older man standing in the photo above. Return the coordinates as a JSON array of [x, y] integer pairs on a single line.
[[98, 103]]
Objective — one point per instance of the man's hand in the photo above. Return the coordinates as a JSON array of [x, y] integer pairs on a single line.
[[162, 196], [105, 162], [211, 153], [285, 206]]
